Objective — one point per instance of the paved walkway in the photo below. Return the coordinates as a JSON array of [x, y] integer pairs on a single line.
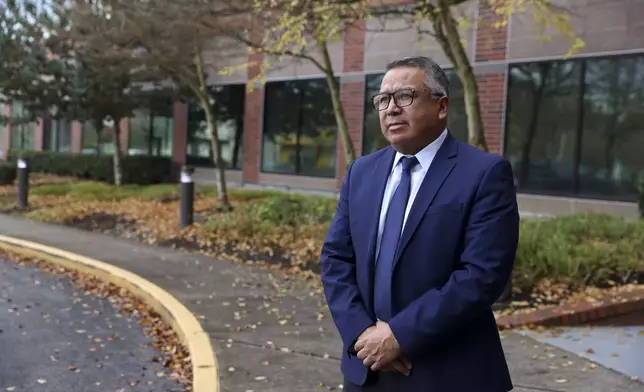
[[617, 343], [53, 337], [275, 335]]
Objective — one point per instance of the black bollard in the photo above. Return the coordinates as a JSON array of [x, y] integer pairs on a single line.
[[186, 202], [23, 184], [506, 296]]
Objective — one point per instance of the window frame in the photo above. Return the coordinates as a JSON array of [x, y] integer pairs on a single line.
[[574, 191], [298, 148], [209, 162]]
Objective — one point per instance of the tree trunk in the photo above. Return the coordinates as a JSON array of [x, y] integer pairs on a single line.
[[220, 165], [450, 41], [338, 109], [116, 160], [204, 101]]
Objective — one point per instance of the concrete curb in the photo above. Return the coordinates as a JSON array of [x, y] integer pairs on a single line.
[[183, 322], [576, 313]]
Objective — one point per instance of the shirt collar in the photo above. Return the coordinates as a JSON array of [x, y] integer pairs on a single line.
[[426, 155]]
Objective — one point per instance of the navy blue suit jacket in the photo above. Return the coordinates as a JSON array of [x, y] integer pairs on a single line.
[[455, 257]]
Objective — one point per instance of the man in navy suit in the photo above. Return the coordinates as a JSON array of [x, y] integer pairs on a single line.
[[422, 244]]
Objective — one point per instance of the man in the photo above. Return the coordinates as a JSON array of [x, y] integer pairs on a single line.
[[422, 244]]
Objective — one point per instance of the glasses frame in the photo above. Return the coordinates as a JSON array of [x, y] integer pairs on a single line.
[[392, 96]]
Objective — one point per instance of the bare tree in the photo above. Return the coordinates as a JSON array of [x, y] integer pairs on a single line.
[[442, 19], [173, 38]]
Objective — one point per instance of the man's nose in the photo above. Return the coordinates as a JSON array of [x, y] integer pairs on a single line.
[[393, 109]]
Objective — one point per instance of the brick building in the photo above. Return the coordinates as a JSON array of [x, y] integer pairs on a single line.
[[573, 129]]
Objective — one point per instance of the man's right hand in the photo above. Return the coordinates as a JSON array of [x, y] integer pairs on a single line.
[[401, 364]]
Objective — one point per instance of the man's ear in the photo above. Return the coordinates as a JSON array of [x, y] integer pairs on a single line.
[[443, 106]]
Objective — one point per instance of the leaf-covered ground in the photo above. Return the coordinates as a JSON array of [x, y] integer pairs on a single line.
[[286, 232]]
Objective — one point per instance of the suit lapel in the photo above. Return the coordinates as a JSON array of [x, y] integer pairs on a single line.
[[440, 168], [377, 186]]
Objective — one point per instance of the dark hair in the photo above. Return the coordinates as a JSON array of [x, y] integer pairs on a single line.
[[436, 80]]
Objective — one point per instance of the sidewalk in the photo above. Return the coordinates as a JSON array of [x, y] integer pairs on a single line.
[[273, 334]]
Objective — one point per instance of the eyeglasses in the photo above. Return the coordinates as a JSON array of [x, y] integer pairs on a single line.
[[402, 98]]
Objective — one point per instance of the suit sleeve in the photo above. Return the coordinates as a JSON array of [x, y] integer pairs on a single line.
[[339, 273], [491, 240]]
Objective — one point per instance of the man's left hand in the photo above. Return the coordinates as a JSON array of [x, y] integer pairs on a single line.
[[378, 348]]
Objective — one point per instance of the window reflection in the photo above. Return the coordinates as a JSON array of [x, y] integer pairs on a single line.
[[613, 132], [576, 127], [97, 142], [151, 128], [229, 114], [22, 132], [543, 113], [373, 139], [58, 135], [300, 130]]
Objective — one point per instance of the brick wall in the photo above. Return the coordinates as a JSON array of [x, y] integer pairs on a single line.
[[491, 43], [352, 89], [5, 135], [253, 114], [179, 136]]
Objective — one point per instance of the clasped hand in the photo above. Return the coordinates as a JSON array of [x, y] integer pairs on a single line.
[[378, 349]]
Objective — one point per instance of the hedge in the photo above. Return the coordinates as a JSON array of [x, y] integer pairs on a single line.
[[137, 169], [7, 173]]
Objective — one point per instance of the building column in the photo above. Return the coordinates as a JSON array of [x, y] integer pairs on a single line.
[[76, 142], [352, 89], [179, 136], [39, 133], [5, 142], [125, 135], [253, 115], [491, 74]]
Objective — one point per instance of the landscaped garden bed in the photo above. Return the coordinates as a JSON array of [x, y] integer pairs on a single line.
[[558, 259]]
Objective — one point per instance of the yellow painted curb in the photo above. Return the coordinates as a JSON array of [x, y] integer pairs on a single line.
[[183, 322]]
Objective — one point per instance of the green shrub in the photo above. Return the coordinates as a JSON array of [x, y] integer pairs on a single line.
[[578, 250], [7, 173], [137, 169], [89, 190], [274, 212]]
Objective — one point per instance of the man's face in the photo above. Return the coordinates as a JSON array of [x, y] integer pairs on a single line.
[[410, 127]]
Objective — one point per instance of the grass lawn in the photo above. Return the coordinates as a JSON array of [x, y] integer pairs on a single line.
[[555, 258]]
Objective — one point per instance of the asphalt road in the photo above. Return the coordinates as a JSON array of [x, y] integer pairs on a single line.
[[55, 338]]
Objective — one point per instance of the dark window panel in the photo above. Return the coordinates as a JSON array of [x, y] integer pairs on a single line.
[[542, 125], [22, 133], [57, 135], [97, 142], [373, 139], [575, 128], [152, 128], [613, 131], [229, 115], [300, 130]]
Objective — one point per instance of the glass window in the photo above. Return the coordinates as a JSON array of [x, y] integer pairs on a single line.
[[151, 128], [372, 136], [575, 127], [97, 142], [229, 114], [22, 133], [542, 122], [58, 135], [613, 127], [300, 130]]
